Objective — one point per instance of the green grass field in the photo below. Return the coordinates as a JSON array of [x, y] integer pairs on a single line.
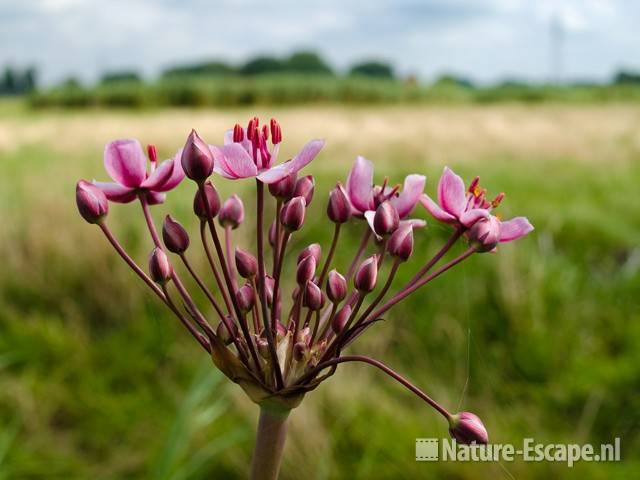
[[541, 340]]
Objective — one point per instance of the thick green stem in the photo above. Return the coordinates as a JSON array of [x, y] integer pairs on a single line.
[[270, 439]]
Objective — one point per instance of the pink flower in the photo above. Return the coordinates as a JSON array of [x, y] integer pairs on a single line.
[[458, 206], [365, 196], [246, 153], [126, 163], [486, 233]]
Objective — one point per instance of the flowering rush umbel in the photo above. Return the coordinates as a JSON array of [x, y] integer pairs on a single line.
[[280, 345]]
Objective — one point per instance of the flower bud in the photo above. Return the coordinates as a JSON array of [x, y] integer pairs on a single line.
[[232, 212], [306, 270], [159, 266], [292, 215], [336, 286], [92, 202], [484, 235], [246, 264], [304, 188], [340, 319], [281, 330], [295, 292], [386, 219], [263, 347], [401, 242], [246, 297], [223, 332], [467, 428], [268, 288], [197, 159], [313, 297], [299, 351], [175, 237], [367, 275], [283, 189], [315, 250], [200, 208], [272, 233], [339, 207]]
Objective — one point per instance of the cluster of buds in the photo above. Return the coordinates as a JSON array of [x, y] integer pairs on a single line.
[[277, 346]]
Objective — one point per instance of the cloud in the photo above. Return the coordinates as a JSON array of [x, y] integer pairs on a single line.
[[485, 39]]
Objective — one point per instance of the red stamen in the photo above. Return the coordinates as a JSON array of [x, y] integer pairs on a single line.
[[265, 132], [498, 200], [276, 132], [238, 133], [473, 185], [153, 153]]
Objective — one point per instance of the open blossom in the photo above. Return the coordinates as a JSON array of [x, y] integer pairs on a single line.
[[486, 233], [246, 153], [126, 164], [456, 205], [365, 196]]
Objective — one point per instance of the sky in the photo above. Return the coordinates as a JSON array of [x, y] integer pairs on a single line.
[[485, 40]]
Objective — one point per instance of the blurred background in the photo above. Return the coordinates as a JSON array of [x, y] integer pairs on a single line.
[[541, 98]]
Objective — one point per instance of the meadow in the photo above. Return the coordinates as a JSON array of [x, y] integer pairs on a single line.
[[541, 339]]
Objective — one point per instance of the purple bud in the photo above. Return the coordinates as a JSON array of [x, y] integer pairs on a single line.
[[263, 347], [197, 160], [268, 288], [304, 188], [306, 270], [246, 264], [336, 286], [159, 266], [467, 428], [200, 208], [295, 292], [340, 319], [92, 202], [315, 250], [367, 275], [246, 297], [484, 235], [339, 207], [272, 233], [223, 332], [386, 219], [292, 215], [401, 242], [175, 237], [299, 351], [313, 297], [283, 189], [232, 212]]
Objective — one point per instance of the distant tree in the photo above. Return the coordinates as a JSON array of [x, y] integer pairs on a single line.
[[8, 82], [29, 80], [626, 77], [260, 65], [210, 68], [118, 77], [71, 82], [451, 80], [307, 62], [373, 69]]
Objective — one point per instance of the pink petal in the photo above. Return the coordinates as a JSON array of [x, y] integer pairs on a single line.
[[360, 185], [177, 175], [436, 212], [233, 161], [451, 193], [515, 228], [154, 198], [470, 217], [297, 163], [246, 144], [414, 222], [125, 162], [116, 192], [408, 198], [369, 215], [159, 176]]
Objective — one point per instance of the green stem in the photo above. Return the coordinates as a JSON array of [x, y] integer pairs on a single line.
[[270, 439]]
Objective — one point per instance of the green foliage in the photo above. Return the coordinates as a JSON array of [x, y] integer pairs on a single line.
[[130, 77], [372, 68]]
